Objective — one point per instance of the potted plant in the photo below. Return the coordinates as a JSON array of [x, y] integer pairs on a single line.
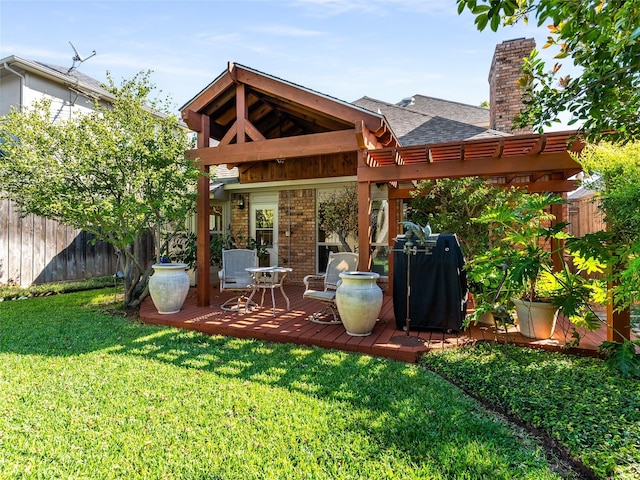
[[537, 291], [486, 279]]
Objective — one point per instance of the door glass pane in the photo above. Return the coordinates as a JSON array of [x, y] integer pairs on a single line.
[[264, 226]]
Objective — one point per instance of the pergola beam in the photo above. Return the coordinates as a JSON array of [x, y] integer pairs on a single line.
[[214, 90], [480, 167], [326, 143]]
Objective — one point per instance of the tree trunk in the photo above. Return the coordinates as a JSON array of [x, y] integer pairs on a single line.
[[343, 242], [137, 270]]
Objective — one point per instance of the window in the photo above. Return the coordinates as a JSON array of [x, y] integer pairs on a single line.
[[380, 236], [216, 221]]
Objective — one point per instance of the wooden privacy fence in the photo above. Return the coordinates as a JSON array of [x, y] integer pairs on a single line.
[[585, 216], [34, 250]]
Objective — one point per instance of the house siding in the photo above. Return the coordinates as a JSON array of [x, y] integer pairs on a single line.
[[10, 88]]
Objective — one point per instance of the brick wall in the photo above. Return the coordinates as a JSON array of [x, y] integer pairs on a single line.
[[297, 216], [240, 217], [504, 93]]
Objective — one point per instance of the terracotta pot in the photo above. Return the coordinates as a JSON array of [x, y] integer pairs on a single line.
[[359, 300], [536, 319], [168, 286]]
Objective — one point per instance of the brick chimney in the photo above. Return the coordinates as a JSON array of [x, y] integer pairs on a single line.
[[504, 94]]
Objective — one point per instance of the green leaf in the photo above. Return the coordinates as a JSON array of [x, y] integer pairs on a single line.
[[481, 21], [495, 23], [480, 9]]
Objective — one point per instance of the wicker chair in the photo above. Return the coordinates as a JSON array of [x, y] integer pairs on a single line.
[[323, 287]]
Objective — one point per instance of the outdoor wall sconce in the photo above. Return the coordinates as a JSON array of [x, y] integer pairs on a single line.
[[240, 201], [280, 161]]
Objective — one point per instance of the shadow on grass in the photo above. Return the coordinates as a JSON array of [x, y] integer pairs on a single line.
[[406, 409]]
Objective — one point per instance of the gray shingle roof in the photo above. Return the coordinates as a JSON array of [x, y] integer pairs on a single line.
[[460, 112], [417, 128], [81, 77]]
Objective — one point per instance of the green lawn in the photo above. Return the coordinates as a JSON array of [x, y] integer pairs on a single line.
[[584, 405], [85, 394]]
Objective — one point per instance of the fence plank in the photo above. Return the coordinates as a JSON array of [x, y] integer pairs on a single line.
[[26, 251], [4, 241], [15, 245], [585, 216], [39, 259]]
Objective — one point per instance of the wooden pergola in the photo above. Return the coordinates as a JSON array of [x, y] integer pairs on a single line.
[[538, 163], [259, 120]]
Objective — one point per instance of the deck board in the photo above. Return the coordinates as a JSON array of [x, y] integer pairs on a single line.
[[386, 339]]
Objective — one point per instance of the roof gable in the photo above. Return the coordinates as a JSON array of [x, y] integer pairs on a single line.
[[275, 107]]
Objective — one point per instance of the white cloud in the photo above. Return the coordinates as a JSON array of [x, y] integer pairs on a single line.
[[286, 31]]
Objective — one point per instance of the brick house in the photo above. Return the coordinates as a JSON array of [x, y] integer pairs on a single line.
[[274, 148]]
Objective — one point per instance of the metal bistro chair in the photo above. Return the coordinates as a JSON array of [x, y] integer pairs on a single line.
[[234, 276], [323, 287]]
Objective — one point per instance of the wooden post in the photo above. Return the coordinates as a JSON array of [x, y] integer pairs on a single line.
[[241, 113], [619, 322], [393, 232], [364, 226], [203, 212], [364, 221]]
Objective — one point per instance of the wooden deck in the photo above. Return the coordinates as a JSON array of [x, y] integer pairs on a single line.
[[385, 341]]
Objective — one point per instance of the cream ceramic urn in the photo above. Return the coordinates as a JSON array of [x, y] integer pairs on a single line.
[[168, 286], [359, 300]]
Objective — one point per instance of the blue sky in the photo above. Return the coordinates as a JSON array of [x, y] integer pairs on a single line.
[[386, 49]]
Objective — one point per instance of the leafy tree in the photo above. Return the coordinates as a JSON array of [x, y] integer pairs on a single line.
[[118, 172], [602, 38], [450, 204], [338, 213], [615, 175]]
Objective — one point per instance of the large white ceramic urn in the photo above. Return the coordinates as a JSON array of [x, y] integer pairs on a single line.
[[168, 286], [359, 300]]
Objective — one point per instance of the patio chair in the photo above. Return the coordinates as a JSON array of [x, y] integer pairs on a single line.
[[323, 287], [234, 276]]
